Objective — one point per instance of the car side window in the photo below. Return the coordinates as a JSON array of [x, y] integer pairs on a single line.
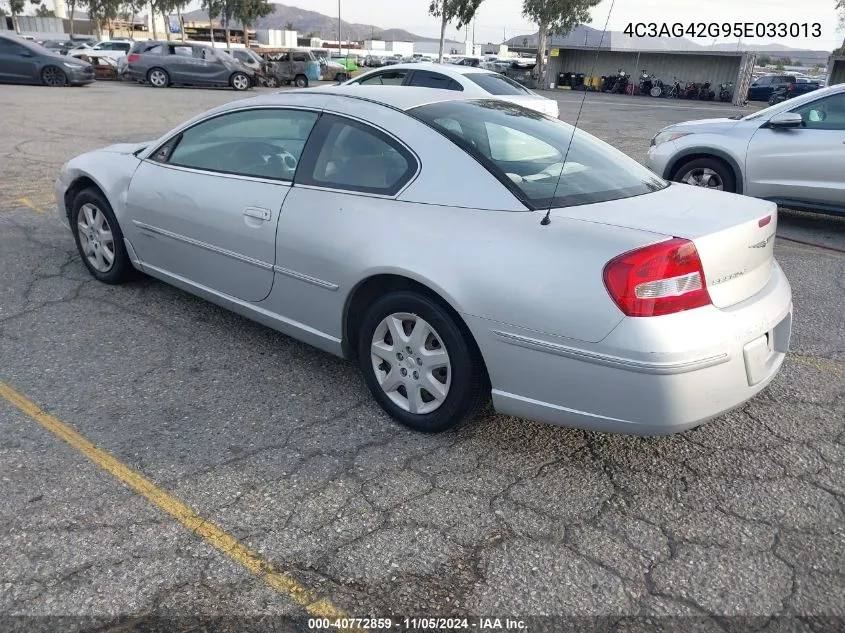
[[357, 157], [300, 57], [8, 48], [426, 79], [388, 78], [184, 51], [259, 143], [824, 114], [158, 49]]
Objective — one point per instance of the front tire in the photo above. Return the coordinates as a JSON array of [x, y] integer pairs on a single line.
[[240, 82], [300, 81], [418, 363], [99, 239], [54, 77], [710, 173], [158, 78], [341, 77]]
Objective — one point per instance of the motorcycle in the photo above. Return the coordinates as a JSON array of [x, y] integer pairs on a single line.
[[657, 87], [645, 83], [621, 82], [691, 91], [726, 92], [705, 94], [675, 92]]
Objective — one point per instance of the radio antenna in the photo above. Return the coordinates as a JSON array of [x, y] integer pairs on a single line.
[[546, 219]]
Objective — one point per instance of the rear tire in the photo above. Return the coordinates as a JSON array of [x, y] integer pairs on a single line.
[[341, 77], [158, 78], [54, 77], [443, 357], [300, 81], [706, 172]]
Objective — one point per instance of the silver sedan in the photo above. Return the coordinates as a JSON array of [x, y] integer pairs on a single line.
[[457, 248]]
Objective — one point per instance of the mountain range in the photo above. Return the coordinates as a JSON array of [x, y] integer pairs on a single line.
[[310, 22]]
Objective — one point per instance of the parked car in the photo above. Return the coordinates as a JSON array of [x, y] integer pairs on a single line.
[[62, 47], [468, 80], [762, 87], [292, 66], [109, 49], [247, 57], [330, 70], [348, 61], [791, 90], [138, 48], [791, 153], [183, 63], [554, 281], [25, 62]]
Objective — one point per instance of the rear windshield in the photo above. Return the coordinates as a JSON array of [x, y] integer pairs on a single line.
[[496, 84], [527, 151]]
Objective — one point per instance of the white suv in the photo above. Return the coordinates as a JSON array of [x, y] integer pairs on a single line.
[[113, 49]]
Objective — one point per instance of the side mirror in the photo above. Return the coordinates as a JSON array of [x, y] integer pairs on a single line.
[[786, 120]]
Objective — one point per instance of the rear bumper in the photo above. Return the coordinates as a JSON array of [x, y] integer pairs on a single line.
[[650, 376]]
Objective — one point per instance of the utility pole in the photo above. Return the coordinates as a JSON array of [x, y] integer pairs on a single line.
[[339, 47]]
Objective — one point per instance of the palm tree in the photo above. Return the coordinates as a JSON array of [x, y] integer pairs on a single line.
[[289, 26]]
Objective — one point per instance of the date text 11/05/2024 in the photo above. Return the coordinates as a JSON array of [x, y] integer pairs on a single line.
[[724, 29], [420, 623]]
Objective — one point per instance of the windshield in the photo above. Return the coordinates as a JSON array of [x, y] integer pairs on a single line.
[[497, 84], [526, 149]]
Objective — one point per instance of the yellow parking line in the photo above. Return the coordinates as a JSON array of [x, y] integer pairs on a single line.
[[822, 366], [29, 203], [209, 532]]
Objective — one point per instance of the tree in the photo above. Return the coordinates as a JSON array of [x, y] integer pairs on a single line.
[[840, 9], [460, 11], [71, 9], [764, 60], [212, 7], [43, 12], [555, 17], [249, 11], [16, 7], [289, 26]]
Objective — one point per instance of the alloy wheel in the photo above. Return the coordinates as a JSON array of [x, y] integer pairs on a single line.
[[96, 238], [158, 78], [703, 177], [53, 76], [240, 82], [411, 363]]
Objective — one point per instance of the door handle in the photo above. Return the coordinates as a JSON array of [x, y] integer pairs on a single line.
[[257, 212]]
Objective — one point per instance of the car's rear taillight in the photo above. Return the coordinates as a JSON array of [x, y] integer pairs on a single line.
[[133, 58], [659, 279]]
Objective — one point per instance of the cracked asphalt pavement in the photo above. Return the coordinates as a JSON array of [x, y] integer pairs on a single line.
[[282, 447]]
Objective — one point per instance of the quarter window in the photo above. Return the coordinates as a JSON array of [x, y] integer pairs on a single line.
[[259, 143], [355, 156]]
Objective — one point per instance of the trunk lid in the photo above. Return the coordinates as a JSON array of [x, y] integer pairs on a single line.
[[734, 234]]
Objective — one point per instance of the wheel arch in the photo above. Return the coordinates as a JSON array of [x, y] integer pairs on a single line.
[[376, 285], [693, 153], [79, 184]]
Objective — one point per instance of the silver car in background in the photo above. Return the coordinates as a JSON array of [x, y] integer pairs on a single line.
[[467, 80], [559, 275], [792, 153]]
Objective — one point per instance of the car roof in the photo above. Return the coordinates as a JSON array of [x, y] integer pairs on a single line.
[[398, 97]]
